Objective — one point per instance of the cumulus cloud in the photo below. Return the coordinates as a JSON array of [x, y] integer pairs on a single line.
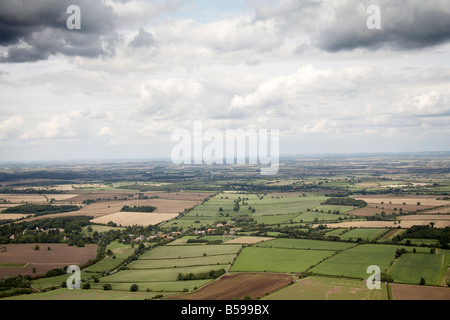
[[170, 99], [10, 126], [310, 68], [346, 101], [59, 126], [143, 39], [105, 132]]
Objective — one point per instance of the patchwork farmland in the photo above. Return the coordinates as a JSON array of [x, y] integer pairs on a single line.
[[230, 238]]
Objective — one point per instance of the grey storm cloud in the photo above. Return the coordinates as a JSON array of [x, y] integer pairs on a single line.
[[35, 30], [405, 24]]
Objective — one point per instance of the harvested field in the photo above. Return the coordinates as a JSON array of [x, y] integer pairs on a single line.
[[372, 209], [12, 216], [87, 295], [192, 196], [408, 200], [390, 224], [239, 285], [95, 210], [59, 256], [135, 218], [101, 196], [34, 198], [129, 195], [167, 205], [22, 181], [60, 197], [101, 209], [248, 240], [425, 217], [443, 210], [413, 292], [23, 198]]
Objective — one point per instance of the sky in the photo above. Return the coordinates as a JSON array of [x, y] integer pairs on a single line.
[[138, 70]]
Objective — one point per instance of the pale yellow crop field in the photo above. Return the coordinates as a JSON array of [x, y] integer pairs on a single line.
[[12, 216], [135, 218]]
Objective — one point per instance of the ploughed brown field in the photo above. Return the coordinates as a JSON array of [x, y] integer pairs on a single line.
[[232, 286], [59, 256], [413, 292]]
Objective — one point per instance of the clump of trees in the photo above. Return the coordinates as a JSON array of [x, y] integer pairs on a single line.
[[442, 235], [205, 241], [138, 209], [10, 286], [243, 219], [399, 252], [47, 231], [41, 209], [345, 202], [213, 274]]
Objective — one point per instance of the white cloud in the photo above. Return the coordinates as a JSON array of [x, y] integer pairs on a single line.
[[10, 126], [272, 66], [59, 126], [105, 132]]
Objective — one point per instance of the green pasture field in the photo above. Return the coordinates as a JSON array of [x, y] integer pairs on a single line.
[[268, 210], [336, 232], [325, 288], [157, 269], [7, 265], [156, 275], [419, 242], [342, 209], [99, 229], [305, 244], [120, 251], [185, 262], [261, 259], [210, 209], [175, 252], [187, 222], [274, 233], [58, 280], [285, 205], [164, 286], [365, 234], [181, 241], [354, 262], [84, 295], [275, 219], [410, 267], [321, 216]]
